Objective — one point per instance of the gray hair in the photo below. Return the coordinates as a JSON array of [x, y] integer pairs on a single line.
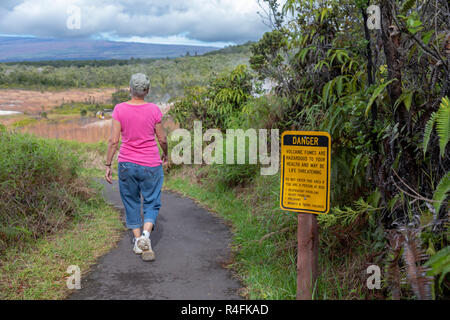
[[139, 85]]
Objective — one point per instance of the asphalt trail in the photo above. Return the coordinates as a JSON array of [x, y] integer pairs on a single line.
[[191, 247]]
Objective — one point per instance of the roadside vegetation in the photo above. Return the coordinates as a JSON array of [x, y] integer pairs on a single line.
[[51, 216]]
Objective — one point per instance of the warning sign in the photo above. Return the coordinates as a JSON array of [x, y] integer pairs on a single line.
[[305, 171]]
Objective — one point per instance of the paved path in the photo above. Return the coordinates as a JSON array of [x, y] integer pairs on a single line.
[[191, 247]]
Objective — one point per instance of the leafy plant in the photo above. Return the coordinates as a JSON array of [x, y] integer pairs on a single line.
[[216, 104], [38, 187], [440, 194], [376, 93], [440, 264], [442, 120]]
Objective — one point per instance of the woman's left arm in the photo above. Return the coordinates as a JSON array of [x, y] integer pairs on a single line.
[[113, 143]]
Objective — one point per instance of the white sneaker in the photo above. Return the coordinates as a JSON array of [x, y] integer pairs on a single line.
[[136, 249], [145, 245]]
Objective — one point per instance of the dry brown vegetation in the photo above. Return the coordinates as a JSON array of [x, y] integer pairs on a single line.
[[33, 102], [90, 133], [75, 130]]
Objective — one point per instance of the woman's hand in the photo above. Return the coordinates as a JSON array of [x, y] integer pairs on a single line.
[[165, 161], [108, 175]]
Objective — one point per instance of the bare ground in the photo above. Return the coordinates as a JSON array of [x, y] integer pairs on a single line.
[[32, 101]]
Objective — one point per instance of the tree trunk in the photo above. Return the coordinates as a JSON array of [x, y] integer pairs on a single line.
[[391, 38]]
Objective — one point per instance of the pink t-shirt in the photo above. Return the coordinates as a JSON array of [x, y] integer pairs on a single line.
[[138, 133]]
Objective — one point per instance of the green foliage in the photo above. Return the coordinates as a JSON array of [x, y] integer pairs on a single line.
[[265, 112], [328, 75], [232, 175], [38, 182], [428, 130], [406, 98], [440, 264], [191, 107], [443, 124], [348, 215], [374, 103], [442, 120], [407, 5], [80, 108], [375, 95], [216, 104], [266, 52], [440, 194], [24, 122], [240, 49], [169, 77], [413, 22]]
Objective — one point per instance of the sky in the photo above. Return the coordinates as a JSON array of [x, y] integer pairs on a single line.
[[196, 22]]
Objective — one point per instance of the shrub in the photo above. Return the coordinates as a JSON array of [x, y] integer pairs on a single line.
[[232, 175], [217, 104], [266, 112], [38, 183]]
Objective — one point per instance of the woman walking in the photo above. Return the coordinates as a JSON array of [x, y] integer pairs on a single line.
[[140, 167]]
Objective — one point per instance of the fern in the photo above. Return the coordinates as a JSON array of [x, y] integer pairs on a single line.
[[427, 133], [441, 192], [442, 120], [440, 264], [443, 124]]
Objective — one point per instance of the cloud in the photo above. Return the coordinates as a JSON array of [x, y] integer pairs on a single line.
[[207, 21]]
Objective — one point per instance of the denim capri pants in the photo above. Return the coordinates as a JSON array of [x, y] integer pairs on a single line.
[[135, 180]]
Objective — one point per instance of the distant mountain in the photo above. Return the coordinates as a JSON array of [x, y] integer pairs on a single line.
[[40, 49]]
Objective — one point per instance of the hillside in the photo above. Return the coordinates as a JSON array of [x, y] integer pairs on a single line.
[[169, 77], [39, 49]]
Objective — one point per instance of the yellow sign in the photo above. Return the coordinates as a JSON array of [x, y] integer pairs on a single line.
[[305, 171]]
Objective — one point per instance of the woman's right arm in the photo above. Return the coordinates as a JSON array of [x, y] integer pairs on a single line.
[[161, 135]]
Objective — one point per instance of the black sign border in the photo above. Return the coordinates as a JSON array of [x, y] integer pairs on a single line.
[[328, 178]]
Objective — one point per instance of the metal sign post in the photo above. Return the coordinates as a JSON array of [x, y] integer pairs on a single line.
[[305, 188]]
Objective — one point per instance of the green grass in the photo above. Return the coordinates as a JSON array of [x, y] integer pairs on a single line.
[[52, 215], [24, 122], [37, 270], [78, 107]]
